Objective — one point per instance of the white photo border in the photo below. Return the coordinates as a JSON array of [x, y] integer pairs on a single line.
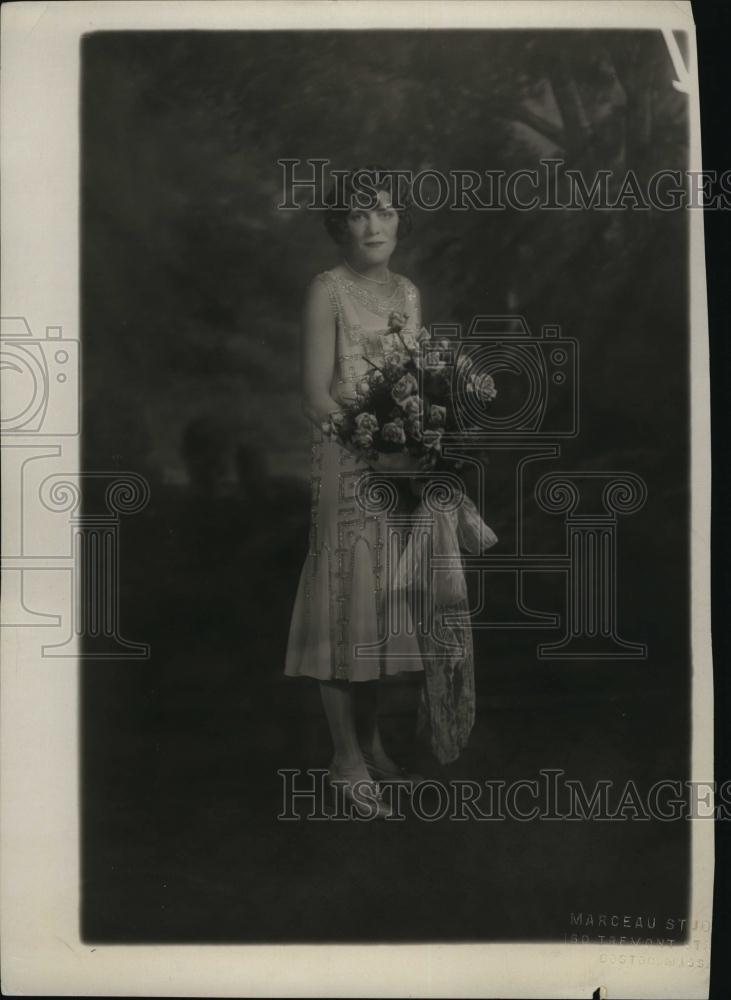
[[42, 952]]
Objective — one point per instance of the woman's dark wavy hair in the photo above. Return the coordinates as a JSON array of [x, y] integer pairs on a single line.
[[341, 199]]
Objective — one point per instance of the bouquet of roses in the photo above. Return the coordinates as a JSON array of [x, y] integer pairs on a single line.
[[405, 405]]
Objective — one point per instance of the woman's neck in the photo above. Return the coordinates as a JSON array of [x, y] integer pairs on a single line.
[[373, 274]]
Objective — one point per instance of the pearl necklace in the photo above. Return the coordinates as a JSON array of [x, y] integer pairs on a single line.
[[365, 277]]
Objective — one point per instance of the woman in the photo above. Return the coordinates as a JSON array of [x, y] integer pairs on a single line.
[[342, 595], [340, 631]]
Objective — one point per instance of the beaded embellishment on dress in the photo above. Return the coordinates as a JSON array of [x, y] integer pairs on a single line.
[[372, 302], [339, 628], [346, 582]]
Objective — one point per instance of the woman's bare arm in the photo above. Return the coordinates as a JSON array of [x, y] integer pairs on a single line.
[[318, 354]]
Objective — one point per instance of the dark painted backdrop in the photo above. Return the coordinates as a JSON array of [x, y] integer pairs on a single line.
[[191, 286]]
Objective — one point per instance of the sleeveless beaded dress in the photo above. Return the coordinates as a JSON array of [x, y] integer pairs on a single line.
[[338, 629], [339, 609]]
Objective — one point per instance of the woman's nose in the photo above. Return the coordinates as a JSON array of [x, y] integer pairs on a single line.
[[373, 225]]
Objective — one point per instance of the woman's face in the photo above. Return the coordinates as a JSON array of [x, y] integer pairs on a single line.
[[370, 237]]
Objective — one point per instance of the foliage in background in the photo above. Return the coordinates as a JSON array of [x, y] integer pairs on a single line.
[[192, 278]]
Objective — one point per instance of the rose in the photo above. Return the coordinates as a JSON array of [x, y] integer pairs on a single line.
[[393, 431], [433, 361], [433, 440], [437, 380], [363, 387], [484, 386], [396, 358], [376, 377], [366, 422], [406, 386], [362, 439], [397, 321], [411, 406], [334, 422], [437, 415], [413, 427]]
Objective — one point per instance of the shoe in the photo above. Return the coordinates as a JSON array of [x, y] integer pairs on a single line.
[[351, 780], [395, 773]]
